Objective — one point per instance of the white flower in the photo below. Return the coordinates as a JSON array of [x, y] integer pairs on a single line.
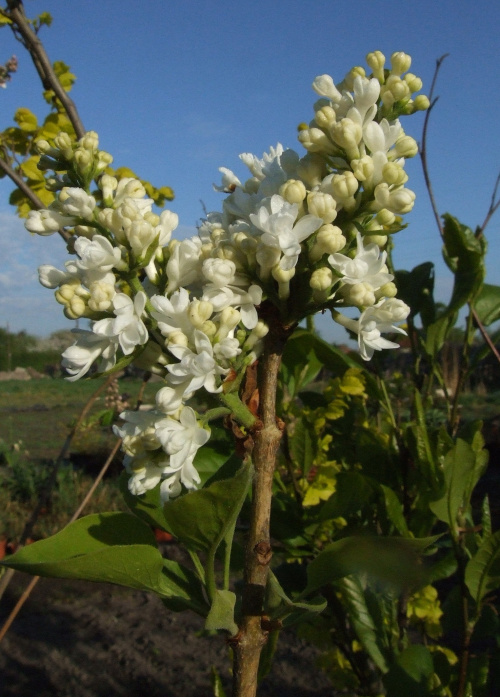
[[76, 202], [78, 358], [168, 222], [97, 253], [229, 181], [181, 438], [139, 431], [172, 313], [377, 320], [127, 327], [368, 266], [325, 87], [183, 267], [46, 222], [196, 369], [276, 218]]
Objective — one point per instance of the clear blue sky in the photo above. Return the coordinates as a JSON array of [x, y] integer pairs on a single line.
[[177, 89]]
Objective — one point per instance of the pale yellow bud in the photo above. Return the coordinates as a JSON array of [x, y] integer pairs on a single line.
[[388, 290], [283, 277], [63, 143], [64, 294], [325, 117], [75, 308], [376, 61], [209, 329], [90, 141], [385, 217], [321, 279], [363, 168], [322, 206], [406, 146], [229, 318], [199, 311], [400, 62], [353, 73], [421, 103], [177, 338], [329, 240], [293, 191], [314, 140], [398, 87], [414, 82], [359, 294], [344, 185], [394, 174], [83, 158], [379, 240]]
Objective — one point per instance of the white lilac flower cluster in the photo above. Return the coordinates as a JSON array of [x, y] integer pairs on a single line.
[[194, 310]]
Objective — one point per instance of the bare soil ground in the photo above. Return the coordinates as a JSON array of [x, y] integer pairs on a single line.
[[78, 639]]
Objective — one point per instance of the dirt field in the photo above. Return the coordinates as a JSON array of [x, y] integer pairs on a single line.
[[76, 639]]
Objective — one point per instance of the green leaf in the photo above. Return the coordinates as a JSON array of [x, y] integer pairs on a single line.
[[392, 560], [411, 672], [302, 444], [209, 459], [200, 519], [361, 620], [182, 589], [463, 465], [113, 547], [416, 288], [352, 492], [487, 304], [279, 606], [221, 615], [394, 510], [482, 574]]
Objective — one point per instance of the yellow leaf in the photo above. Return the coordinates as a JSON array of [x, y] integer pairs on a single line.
[[26, 120], [30, 170]]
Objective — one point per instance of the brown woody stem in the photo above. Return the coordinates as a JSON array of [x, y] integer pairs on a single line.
[[248, 643]]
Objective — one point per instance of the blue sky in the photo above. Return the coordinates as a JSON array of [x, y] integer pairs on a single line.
[[177, 89]]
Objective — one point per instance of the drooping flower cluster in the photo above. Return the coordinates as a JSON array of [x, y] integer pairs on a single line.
[[194, 310]]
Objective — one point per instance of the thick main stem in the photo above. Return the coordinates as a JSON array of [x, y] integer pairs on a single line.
[[251, 638]]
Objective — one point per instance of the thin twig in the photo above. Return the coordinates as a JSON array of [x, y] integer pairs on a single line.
[[42, 63], [15, 611], [485, 335], [423, 149], [494, 205]]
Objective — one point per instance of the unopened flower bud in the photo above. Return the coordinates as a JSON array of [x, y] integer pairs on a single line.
[[359, 294], [329, 240], [385, 217], [293, 191], [421, 103], [347, 134], [356, 71], [108, 185], [199, 311], [325, 117], [314, 140], [376, 61], [344, 185], [209, 328], [394, 174], [229, 317], [83, 158], [406, 146], [400, 62], [90, 141], [414, 82], [388, 290], [322, 206], [398, 88], [63, 143], [283, 277], [75, 308], [321, 279], [363, 168], [177, 338]]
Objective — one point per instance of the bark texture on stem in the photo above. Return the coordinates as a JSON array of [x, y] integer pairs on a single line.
[[42, 63], [248, 643]]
